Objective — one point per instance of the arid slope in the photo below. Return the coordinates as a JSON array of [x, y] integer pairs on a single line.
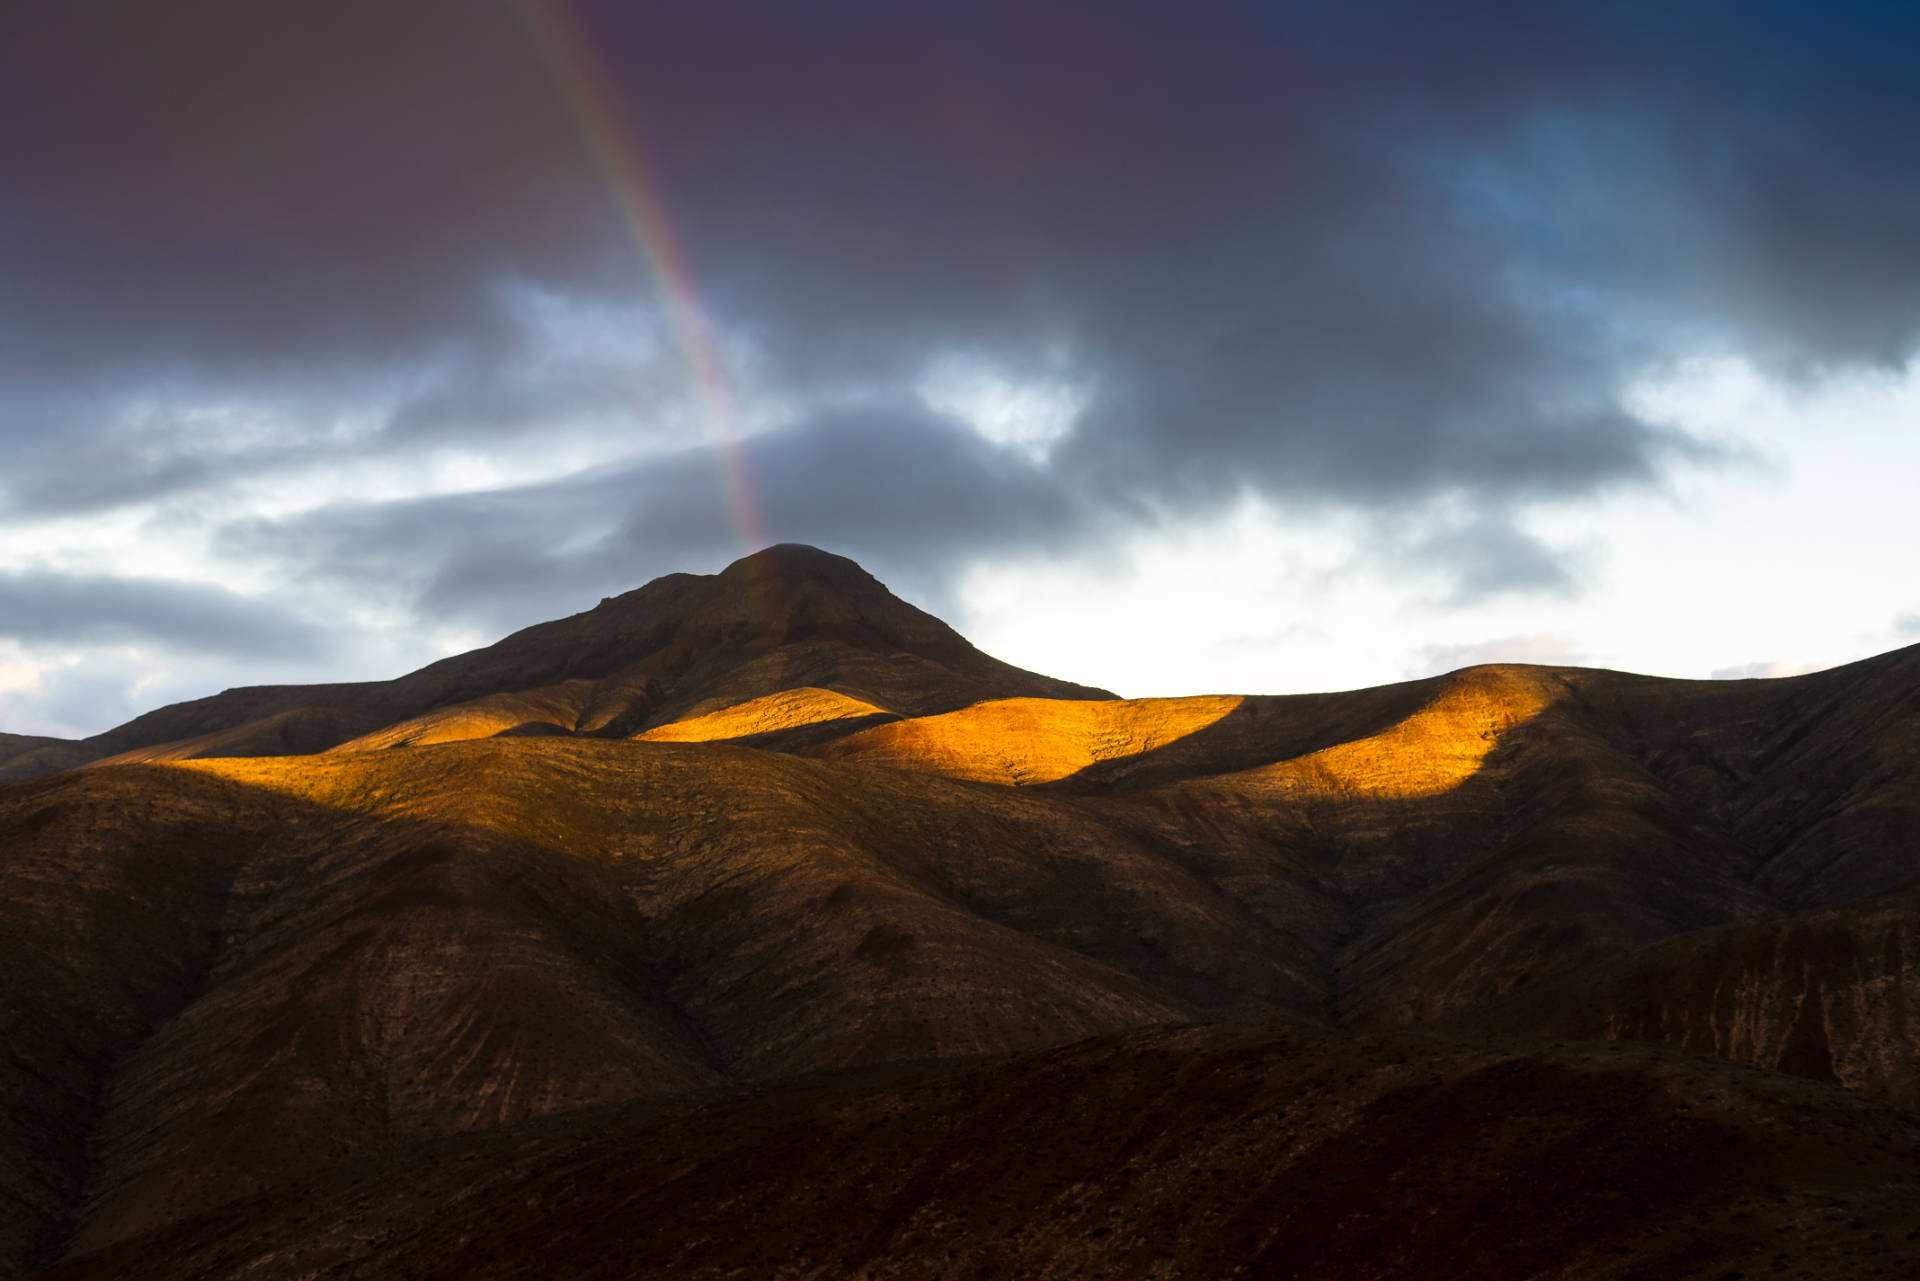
[[554, 927], [1181, 1153]]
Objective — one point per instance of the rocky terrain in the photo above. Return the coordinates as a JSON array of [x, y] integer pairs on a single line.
[[758, 925], [1201, 1152]]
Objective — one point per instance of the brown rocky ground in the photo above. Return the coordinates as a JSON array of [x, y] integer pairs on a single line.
[[1177, 1153]]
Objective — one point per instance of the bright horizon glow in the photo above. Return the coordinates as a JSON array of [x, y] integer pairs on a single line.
[[1794, 558], [1028, 416]]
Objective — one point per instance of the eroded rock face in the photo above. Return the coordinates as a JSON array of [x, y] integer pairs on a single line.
[[726, 831], [1829, 995]]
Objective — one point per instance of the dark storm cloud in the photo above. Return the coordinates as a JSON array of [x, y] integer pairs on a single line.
[[901, 490], [477, 403], [535, 383], [88, 462], [60, 610], [233, 186], [1366, 254]]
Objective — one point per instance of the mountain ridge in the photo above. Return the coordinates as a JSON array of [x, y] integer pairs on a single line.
[[234, 977]]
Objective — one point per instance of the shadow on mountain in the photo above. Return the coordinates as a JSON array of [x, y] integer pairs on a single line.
[[529, 729], [1260, 730], [804, 736], [381, 946], [1181, 1152], [1819, 994]]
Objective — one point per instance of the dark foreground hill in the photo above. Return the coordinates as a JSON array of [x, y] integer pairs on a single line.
[[844, 958], [1176, 1153]]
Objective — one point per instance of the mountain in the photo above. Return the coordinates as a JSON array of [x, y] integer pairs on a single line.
[[758, 925], [788, 617]]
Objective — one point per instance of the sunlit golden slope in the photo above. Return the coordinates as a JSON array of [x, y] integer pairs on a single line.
[[556, 707], [788, 710], [1029, 740], [1435, 749], [283, 733]]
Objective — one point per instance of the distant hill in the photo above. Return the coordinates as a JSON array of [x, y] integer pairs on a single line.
[[757, 922], [14, 746]]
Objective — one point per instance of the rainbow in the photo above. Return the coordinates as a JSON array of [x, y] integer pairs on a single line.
[[618, 151]]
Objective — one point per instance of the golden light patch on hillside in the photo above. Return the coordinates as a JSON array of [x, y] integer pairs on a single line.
[[343, 781], [556, 705], [496, 788], [1031, 740], [285, 732], [1434, 750], [177, 750], [787, 710]]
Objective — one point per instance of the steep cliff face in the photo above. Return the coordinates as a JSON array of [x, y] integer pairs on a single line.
[[1830, 995]]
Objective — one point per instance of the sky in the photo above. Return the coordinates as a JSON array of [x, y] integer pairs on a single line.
[[1173, 348]]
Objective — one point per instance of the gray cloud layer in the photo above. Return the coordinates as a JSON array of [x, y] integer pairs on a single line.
[[66, 609], [899, 486], [1383, 256]]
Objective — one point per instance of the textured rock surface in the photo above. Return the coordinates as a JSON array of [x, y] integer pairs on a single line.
[[1191, 1153]]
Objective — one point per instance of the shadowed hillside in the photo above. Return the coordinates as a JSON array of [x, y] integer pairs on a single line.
[[1189, 1153], [48, 755], [620, 921], [12, 745]]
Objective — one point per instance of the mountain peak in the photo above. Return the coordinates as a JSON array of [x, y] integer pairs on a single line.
[[776, 571], [788, 559], [787, 617]]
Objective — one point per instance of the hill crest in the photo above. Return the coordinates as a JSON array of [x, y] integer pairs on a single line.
[[682, 645]]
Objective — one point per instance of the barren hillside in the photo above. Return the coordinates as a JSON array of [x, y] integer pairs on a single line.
[[766, 900]]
